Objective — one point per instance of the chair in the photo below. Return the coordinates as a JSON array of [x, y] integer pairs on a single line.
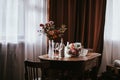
[[36, 70], [112, 73]]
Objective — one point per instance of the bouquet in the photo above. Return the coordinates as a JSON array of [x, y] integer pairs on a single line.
[[53, 32], [74, 49]]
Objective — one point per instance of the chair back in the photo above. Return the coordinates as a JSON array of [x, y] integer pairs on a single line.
[[36, 70]]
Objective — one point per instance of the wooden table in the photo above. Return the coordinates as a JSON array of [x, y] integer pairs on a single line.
[[74, 66]]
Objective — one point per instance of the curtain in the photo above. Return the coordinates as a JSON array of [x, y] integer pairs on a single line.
[[111, 50], [19, 39], [84, 19]]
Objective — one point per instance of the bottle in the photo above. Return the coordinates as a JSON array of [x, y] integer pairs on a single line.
[[61, 50]]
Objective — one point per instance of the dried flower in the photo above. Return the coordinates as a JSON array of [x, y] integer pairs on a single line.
[[53, 32]]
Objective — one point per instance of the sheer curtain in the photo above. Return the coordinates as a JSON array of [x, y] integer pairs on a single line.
[[111, 34], [19, 39]]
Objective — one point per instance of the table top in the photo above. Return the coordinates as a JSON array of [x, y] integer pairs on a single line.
[[89, 56]]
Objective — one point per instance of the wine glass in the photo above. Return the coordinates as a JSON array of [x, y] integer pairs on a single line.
[[56, 48]]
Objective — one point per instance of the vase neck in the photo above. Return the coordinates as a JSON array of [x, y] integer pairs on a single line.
[[61, 40]]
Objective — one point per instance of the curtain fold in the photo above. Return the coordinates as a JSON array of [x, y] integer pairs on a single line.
[[84, 19], [19, 39]]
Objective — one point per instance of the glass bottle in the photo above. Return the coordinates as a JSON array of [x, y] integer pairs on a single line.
[[61, 49]]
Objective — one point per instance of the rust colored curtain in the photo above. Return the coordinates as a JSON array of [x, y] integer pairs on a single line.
[[84, 19]]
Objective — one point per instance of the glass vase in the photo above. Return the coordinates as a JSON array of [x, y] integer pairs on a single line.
[[51, 49]]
